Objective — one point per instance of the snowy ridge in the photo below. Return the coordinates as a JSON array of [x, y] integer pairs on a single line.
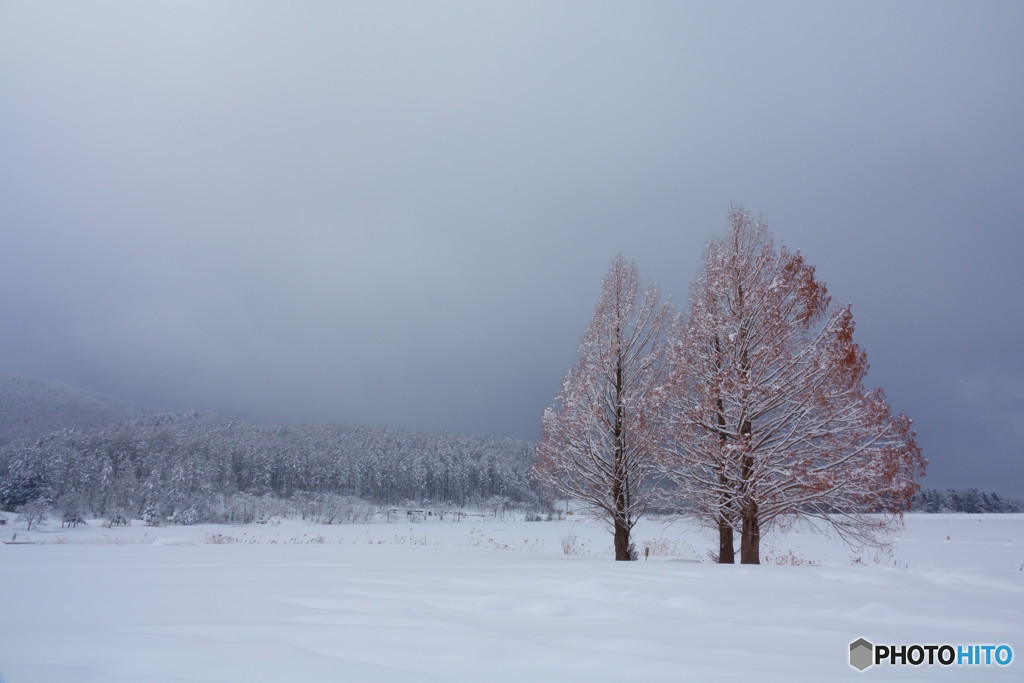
[[31, 407]]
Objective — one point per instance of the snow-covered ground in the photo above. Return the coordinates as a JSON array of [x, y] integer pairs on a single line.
[[493, 600]]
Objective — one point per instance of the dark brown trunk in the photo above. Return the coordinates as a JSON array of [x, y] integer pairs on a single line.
[[750, 532], [750, 537], [620, 485], [726, 551], [621, 541]]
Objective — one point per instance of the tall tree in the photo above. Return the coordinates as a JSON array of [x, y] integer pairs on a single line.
[[767, 413], [597, 441]]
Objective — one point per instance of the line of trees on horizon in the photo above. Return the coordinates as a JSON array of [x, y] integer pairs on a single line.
[[183, 468], [970, 500], [199, 467]]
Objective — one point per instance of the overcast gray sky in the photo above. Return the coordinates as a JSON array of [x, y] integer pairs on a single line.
[[400, 212]]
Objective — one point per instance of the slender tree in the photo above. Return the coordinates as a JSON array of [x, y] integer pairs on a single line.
[[767, 414], [597, 441]]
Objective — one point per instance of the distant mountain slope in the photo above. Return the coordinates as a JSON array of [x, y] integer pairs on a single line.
[[31, 407]]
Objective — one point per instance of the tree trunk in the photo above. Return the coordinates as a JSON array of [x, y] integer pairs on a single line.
[[620, 486], [750, 537], [726, 551], [621, 541], [750, 533], [620, 518]]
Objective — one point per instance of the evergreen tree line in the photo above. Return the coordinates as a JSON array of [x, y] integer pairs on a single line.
[[963, 500], [184, 467]]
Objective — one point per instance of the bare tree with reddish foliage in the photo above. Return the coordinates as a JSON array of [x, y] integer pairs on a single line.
[[766, 414], [598, 441]]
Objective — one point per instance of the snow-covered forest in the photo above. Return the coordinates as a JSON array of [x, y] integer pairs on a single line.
[[964, 500], [192, 467]]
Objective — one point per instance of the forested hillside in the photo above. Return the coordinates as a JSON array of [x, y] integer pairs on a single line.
[[185, 467], [31, 407]]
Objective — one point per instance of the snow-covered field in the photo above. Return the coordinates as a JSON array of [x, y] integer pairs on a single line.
[[492, 600]]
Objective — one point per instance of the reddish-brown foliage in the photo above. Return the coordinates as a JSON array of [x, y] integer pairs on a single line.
[[597, 442], [765, 412]]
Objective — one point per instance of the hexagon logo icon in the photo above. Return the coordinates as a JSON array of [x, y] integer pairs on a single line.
[[862, 654]]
